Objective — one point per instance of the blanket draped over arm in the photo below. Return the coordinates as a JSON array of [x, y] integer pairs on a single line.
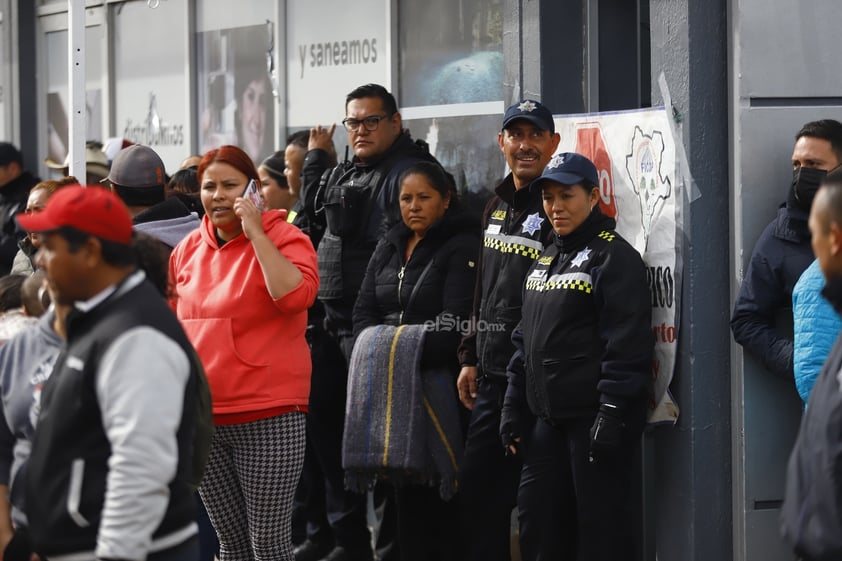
[[401, 423]]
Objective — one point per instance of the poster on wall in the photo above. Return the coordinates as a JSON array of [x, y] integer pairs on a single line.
[[327, 57], [634, 153], [451, 52], [236, 105]]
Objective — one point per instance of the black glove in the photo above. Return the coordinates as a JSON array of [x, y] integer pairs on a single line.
[[510, 428], [607, 431], [19, 547], [512, 419]]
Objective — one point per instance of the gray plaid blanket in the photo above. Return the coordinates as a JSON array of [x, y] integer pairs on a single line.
[[401, 423]]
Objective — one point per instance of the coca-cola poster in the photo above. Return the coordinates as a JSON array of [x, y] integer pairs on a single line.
[[634, 153]]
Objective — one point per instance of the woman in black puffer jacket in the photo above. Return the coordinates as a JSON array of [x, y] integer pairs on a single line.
[[423, 272]]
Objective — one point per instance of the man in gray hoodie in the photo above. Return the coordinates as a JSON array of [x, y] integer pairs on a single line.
[[137, 176]]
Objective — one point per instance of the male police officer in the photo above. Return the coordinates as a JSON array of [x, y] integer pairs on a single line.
[[515, 233], [361, 199]]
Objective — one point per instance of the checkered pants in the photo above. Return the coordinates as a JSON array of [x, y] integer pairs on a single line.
[[249, 483]]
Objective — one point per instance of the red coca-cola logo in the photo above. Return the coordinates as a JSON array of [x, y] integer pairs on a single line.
[[589, 143]]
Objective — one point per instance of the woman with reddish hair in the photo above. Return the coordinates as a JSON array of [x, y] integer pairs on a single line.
[[242, 284], [24, 262]]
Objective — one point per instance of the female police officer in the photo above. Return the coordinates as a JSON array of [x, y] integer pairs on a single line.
[[581, 371]]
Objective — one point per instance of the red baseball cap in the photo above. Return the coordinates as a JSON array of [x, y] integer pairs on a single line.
[[93, 210]]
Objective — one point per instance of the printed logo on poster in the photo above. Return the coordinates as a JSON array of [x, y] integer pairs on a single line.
[[650, 184], [590, 143]]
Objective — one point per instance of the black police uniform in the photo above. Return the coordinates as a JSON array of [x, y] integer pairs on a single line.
[[360, 202], [515, 230], [584, 346]]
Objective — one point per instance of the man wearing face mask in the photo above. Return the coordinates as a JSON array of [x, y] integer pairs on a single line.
[[783, 251]]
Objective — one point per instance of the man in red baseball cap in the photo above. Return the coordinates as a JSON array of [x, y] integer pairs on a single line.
[[75, 222], [119, 411]]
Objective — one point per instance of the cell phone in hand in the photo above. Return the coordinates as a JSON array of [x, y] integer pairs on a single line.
[[252, 193]]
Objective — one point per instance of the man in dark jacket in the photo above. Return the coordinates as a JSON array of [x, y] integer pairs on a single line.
[[15, 184], [783, 251], [357, 201], [360, 200], [138, 177], [811, 516], [515, 233], [121, 412]]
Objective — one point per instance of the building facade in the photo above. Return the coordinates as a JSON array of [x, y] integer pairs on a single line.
[[741, 75]]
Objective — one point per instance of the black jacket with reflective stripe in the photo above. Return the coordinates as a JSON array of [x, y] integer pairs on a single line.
[[515, 231], [586, 334]]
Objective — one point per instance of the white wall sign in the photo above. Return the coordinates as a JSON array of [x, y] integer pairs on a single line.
[[330, 51]]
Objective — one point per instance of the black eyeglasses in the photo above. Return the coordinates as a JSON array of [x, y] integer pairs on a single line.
[[370, 123]]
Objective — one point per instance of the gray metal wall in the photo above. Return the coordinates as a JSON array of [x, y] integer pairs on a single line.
[[785, 70]]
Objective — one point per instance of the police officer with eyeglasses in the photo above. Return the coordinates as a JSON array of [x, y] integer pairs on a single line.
[[357, 201], [360, 199]]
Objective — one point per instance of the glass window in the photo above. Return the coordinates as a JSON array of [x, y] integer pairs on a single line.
[[151, 82], [58, 89], [451, 52], [451, 78]]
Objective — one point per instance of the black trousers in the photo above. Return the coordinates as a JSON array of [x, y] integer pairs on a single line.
[[488, 479], [309, 519], [572, 508], [428, 526], [346, 511]]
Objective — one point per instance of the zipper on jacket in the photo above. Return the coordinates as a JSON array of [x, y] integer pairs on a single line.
[[400, 284], [542, 399]]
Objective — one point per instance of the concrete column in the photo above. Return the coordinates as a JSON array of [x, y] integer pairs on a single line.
[[693, 459], [543, 41]]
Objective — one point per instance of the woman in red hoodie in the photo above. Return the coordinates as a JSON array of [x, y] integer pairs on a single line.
[[242, 284]]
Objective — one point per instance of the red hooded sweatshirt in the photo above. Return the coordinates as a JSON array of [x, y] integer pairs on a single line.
[[252, 346]]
